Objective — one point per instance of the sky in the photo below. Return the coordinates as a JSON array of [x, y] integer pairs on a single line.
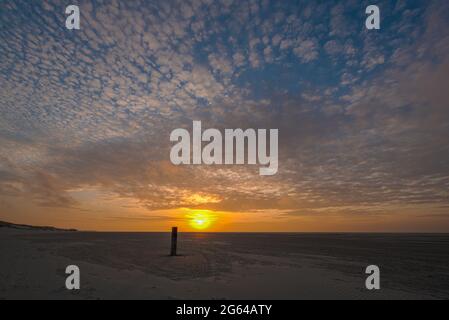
[[363, 115]]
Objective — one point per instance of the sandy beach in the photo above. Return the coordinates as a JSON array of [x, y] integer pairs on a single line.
[[222, 265]]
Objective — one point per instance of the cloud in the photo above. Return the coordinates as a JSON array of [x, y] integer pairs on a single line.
[[307, 50], [362, 116]]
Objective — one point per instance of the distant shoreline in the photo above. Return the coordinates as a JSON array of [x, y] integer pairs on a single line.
[[4, 224]]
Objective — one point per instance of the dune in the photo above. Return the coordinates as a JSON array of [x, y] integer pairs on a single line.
[[4, 224]]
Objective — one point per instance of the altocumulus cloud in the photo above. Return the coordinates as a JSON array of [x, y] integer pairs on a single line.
[[362, 116]]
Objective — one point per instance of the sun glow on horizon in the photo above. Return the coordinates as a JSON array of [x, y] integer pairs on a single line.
[[200, 220]]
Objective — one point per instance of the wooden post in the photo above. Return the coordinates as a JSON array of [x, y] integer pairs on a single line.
[[174, 239]]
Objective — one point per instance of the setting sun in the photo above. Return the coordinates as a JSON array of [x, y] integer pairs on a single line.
[[200, 220]]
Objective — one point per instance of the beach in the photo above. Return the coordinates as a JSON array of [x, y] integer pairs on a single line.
[[222, 265]]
